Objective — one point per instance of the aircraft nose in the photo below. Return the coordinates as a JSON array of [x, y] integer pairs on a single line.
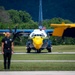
[[37, 42]]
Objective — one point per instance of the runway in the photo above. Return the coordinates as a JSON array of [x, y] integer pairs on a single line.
[[46, 53], [37, 73], [19, 61]]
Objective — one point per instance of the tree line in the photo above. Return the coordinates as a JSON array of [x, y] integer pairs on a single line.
[[9, 18]]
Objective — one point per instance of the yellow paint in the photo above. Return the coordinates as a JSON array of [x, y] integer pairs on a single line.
[[63, 25], [37, 42], [58, 31], [59, 28]]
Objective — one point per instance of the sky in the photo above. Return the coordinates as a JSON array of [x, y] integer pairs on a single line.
[[51, 8]]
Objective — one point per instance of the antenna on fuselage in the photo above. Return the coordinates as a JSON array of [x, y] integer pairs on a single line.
[[40, 13]]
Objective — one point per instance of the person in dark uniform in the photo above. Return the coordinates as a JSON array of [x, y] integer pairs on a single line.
[[7, 50]]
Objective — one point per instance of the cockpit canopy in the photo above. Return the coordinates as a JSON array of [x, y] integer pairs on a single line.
[[37, 32]]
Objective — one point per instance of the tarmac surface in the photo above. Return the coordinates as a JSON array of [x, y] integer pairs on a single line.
[[37, 72]]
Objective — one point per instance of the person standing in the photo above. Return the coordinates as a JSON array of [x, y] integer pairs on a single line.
[[7, 50]]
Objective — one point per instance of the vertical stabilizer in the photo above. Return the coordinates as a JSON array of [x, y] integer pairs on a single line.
[[40, 13]]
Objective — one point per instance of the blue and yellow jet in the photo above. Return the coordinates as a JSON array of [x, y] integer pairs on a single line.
[[39, 38]]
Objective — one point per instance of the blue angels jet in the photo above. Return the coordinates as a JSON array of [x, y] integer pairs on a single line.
[[38, 38]]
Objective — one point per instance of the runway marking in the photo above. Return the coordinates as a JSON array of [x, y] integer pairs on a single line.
[[40, 61], [37, 73], [46, 53], [49, 53]]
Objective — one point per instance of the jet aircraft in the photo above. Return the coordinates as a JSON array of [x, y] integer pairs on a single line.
[[38, 38]]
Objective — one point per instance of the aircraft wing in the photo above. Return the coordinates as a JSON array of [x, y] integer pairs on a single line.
[[64, 30], [49, 31], [25, 32]]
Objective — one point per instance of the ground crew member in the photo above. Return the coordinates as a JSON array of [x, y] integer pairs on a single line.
[[7, 50]]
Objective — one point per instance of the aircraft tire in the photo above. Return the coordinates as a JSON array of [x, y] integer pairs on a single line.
[[49, 49], [28, 50], [38, 51]]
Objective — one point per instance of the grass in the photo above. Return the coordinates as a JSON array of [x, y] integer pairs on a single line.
[[58, 48], [64, 48], [42, 57], [40, 67], [43, 66]]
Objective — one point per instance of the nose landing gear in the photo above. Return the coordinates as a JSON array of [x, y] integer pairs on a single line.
[[39, 51]]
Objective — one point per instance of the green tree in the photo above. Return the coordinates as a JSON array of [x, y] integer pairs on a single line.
[[4, 15], [14, 15], [19, 16]]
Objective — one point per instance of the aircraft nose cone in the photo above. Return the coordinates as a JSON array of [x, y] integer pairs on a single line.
[[37, 42]]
